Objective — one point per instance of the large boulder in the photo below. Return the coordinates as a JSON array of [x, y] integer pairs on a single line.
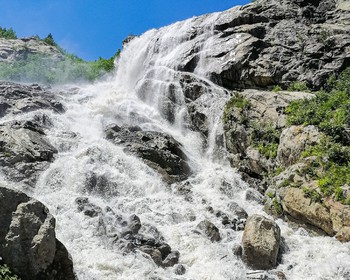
[[261, 242], [330, 216], [27, 239], [159, 150], [24, 151], [293, 142]]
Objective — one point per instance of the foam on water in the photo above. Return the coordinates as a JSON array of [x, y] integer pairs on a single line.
[[135, 95]]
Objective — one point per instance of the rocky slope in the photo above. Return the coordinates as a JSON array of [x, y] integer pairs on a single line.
[[19, 49]]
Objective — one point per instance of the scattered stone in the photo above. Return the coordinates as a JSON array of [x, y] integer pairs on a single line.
[[261, 241], [180, 269], [171, 259], [89, 209], [209, 230], [237, 250]]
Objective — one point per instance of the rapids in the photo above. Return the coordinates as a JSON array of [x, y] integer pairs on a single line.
[[148, 75]]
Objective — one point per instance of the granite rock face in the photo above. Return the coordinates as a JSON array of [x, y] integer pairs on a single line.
[[24, 149], [18, 49], [27, 239], [277, 42]]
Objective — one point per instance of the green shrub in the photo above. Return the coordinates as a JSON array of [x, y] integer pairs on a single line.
[[278, 207], [6, 274], [7, 33], [276, 89], [265, 137], [40, 68], [49, 40], [313, 195], [298, 86], [237, 101]]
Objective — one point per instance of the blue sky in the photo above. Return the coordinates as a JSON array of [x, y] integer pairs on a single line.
[[93, 28]]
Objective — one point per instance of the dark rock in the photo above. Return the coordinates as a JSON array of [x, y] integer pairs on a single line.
[[171, 259], [160, 151], [209, 230], [165, 249], [89, 209], [237, 250], [154, 253], [24, 151], [134, 223], [180, 269], [238, 211], [261, 241], [17, 98], [27, 239]]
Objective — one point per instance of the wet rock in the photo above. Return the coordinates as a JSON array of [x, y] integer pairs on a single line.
[[261, 241], [89, 209], [18, 98], [171, 259], [134, 224], [24, 151], [180, 269], [253, 195], [238, 211], [209, 230], [237, 250], [154, 253], [27, 239], [165, 249], [159, 150]]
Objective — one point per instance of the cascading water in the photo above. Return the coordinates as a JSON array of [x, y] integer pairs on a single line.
[[147, 90]]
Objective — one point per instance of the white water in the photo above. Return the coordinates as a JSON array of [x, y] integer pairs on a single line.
[[135, 95]]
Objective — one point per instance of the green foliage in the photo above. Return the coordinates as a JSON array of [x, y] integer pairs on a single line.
[[278, 208], [313, 195], [44, 69], [237, 101], [265, 137], [298, 86], [285, 183], [329, 111], [276, 89], [49, 40], [6, 274], [7, 33]]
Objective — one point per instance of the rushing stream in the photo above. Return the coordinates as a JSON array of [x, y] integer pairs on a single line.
[[146, 83]]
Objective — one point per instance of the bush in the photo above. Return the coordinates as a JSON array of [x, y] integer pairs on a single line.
[[329, 111], [237, 101], [265, 137], [49, 40], [40, 68], [6, 274], [7, 33], [298, 86]]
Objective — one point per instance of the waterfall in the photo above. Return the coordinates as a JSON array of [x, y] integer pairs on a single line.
[[151, 88]]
